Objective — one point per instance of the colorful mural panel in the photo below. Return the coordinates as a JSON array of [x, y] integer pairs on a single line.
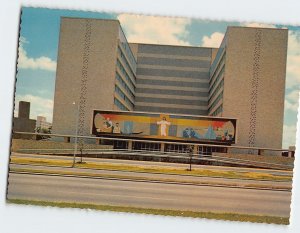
[[163, 126]]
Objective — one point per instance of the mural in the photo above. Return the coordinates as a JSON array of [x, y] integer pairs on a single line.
[[163, 126]]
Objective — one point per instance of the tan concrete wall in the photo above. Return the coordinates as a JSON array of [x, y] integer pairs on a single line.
[[258, 158], [270, 66], [134, 49], [24, 124], [214, 52], [19, 144], [101, 69]]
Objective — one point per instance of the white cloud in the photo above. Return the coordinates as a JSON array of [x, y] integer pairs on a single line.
[[154, 29], [293, 60], [38, 106], [25, 62], [292, 101], [213, 41], [289, 136], [291, 106], [289, 131], [259, 25]]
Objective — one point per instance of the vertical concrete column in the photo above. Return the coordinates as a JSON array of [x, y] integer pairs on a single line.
[[260, 151], [195, 151], [162, 147], [67, 139], [290, 154], [129, 145]]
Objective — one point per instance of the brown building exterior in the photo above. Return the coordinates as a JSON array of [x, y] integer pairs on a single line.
[[243, 79], [95, 68], [248, 82], [22, 123]]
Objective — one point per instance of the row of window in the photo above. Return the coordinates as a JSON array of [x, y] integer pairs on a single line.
[[124, 85], [216, 101], [216, 60], [123, 96], [212, 74], [130, 55], [126, 47], [120, 105], [220, 75], [218, 110], [123, 57], [215, 91], [119, 64]]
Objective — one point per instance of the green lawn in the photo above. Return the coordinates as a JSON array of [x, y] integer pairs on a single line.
[[154, 169], [207, 215]]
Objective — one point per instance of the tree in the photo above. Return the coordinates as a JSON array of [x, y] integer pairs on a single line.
[[43, 131]]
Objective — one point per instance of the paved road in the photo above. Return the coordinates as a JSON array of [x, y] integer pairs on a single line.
[[182, 178], [149, 195], [160, 164]]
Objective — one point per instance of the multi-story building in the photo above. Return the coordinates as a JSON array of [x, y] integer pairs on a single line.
[[243, 79], [247, 81], [95, 69], [41, 123], [173, 79], [22, 123]]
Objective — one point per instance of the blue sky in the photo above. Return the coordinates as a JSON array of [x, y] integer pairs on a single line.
[[39, 34]]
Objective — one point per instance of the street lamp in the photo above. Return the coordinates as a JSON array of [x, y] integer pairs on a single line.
[[76, 134]]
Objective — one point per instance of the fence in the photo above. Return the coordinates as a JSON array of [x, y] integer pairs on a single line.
[[163, 149]]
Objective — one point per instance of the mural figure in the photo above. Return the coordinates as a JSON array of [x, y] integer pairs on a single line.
[[117, 128], [108, 122], [210, 133], [190, 133], [163, 126], [106, 126]]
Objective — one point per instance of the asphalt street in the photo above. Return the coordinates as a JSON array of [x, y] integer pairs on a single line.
[[149, 195]]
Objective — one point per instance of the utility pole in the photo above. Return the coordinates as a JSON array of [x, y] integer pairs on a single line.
[[190, 151], [76, 135]]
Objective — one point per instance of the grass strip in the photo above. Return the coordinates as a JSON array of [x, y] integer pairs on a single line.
[[154, 169], [164, 212], [137, 178]]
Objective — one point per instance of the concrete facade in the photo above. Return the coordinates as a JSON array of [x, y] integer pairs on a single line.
[[243, 79], [163, 71], [23, 123], [89, 58], [251, 84]]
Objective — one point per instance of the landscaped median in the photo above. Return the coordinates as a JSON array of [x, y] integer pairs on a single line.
[[193, 214], [199, 172], [140, 177]]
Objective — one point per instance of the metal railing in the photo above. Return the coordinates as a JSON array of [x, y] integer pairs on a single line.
[[144, 147], [153, 141]]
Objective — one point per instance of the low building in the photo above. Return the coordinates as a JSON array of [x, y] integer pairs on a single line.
[[41, 123]]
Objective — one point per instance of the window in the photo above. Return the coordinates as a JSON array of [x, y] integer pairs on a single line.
[[120, 105], [124, 85], [216, 101], [123, 96], [124, 72]]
